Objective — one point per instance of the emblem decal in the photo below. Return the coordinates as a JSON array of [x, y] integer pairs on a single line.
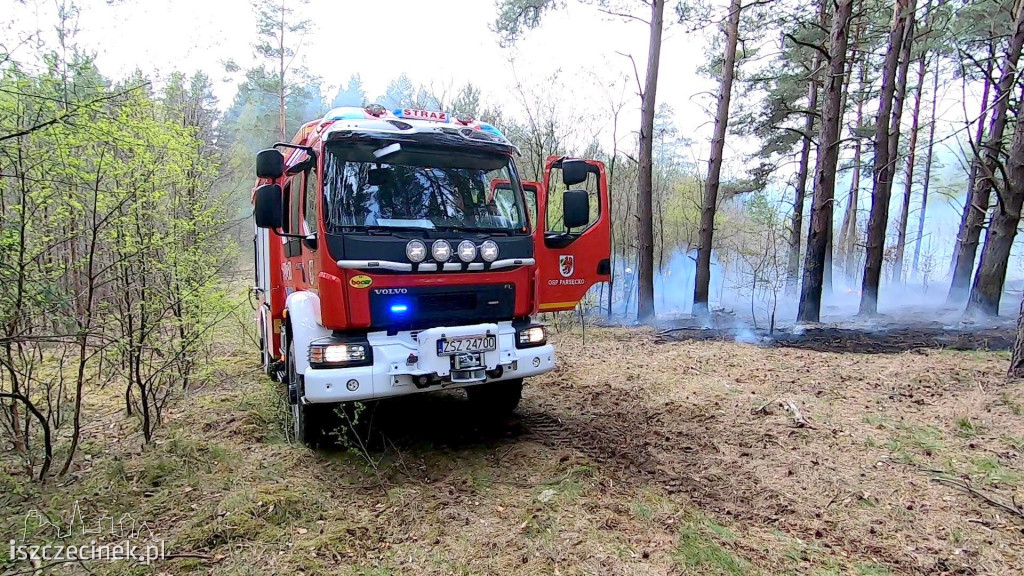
[[566, 265]]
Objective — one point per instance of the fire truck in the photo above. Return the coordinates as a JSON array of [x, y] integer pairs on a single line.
[[398, 251]]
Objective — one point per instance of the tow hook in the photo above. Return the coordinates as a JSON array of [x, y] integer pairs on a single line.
[[496, 373], [423, 381]]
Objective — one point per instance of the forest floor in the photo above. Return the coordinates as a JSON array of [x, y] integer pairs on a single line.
[[640, 454]]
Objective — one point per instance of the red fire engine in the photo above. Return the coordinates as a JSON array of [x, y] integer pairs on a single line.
[[397, 251]]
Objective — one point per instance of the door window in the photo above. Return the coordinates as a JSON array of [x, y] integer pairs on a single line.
[[295, 206], [531, 206], [309, 194], [555, 222], [293, 211]]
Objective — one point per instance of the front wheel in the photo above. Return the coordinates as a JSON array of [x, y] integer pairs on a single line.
[[307, 419], [496, 399]]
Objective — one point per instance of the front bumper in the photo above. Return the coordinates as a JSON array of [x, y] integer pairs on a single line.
[[393, 375]]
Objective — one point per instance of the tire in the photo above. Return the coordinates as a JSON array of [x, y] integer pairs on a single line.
[[307, 419], [497, 399]]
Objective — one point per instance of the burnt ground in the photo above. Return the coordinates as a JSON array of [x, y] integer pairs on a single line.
[[904, 329], [640, 454], [881, 339]]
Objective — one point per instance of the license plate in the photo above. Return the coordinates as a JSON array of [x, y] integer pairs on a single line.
[[452, 346]]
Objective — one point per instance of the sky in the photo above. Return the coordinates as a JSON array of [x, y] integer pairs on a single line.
[[436, 42]]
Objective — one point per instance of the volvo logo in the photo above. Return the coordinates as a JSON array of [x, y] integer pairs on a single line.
[[385, 291]]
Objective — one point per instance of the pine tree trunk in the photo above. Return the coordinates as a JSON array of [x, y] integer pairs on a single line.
[[280, 79], [612, 227], [995, 256], [826, 278], [848, 233], [887, 131], [645, 298], [908, 184], [710, 201], [977, 208], [926, 184], [796, 222], [826, 287], [825, 168], [972, 177], [1017, 359]]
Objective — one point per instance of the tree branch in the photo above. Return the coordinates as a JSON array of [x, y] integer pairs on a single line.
[[64, 116], [623, 15], [636, 74], [798, 42]]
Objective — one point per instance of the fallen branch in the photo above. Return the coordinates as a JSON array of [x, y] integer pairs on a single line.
[[763, 409], [1012, 508], [799, 420], [189, 555], [798, 417]]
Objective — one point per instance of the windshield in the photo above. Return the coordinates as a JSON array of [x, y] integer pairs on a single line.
[[411, 186]]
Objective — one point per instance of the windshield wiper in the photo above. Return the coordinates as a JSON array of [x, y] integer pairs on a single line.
[[377, 229], [492, 231], [388, 230]]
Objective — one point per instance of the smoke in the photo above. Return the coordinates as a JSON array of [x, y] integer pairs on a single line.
[[749, 291], [750, 310], [674, 283], [746, 336]]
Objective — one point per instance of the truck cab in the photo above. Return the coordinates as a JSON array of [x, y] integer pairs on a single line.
[[398, 251]]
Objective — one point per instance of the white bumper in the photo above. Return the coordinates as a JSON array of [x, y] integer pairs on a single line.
[[392, 374]]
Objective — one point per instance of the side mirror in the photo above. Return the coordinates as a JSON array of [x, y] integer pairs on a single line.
[[269, 164], [574, 171], [576, 206], [269, 209]]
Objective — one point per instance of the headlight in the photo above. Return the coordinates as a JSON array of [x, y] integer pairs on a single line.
[[416, 251], [534, 335], [441, 250], [337, 354], [489, 251], [467, 251]]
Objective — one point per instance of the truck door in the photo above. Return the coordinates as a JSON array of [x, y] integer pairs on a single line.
[[300, 195], [570, 261]]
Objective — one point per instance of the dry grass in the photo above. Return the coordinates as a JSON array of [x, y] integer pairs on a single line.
[[632, 458]]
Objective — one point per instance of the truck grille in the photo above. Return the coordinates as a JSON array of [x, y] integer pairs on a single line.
[[453, 302], [427, 307]]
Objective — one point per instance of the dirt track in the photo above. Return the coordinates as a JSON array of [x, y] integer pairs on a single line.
[[705, 422]]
